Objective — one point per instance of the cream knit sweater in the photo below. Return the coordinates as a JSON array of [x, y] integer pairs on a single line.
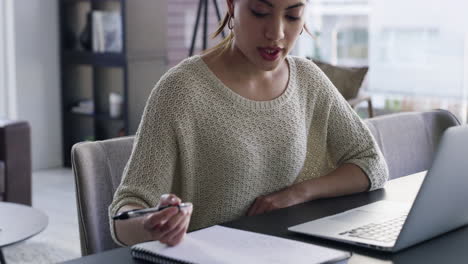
[[210, 146]]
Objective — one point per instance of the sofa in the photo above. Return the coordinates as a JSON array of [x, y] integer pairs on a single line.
[[15, 162]]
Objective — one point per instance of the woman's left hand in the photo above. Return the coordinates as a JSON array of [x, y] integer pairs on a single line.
[[280, 199]]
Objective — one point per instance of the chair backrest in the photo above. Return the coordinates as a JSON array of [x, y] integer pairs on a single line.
[[407, 140], [98, 168]]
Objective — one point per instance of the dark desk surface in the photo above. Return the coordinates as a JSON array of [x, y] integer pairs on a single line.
[[448, 248]]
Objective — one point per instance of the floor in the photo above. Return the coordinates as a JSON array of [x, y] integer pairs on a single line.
[[53, 192]]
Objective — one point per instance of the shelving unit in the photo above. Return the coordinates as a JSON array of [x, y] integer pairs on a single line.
[[92, 76], [96, 59]]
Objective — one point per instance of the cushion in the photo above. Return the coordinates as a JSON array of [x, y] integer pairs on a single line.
[[347, 80]]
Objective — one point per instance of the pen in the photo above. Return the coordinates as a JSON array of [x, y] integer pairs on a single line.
[[140, 212]]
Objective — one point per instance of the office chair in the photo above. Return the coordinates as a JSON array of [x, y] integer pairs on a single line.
[[407, 141]]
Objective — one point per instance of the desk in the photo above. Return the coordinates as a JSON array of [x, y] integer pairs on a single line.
[[19, 222], [449, 248]]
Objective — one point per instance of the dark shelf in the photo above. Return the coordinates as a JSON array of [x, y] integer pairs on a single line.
[[94, 81], [100, 116], [96, 59], [88, 75]]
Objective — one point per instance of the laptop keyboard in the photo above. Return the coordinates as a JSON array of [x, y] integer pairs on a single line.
[[385, 231]]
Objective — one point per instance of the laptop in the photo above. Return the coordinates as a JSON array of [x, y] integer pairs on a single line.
[[439, 206]]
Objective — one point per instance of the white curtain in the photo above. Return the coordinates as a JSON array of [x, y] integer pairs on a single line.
[[7, 69]]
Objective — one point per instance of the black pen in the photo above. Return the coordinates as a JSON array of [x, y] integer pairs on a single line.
[[140, 212]]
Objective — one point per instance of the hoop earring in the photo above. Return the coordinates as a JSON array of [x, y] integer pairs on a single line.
[[230, 23]]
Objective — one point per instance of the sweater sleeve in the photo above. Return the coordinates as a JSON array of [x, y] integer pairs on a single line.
[[150, 171], [350, 141]]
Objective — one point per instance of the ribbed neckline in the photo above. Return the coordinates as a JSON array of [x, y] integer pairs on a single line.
[[252, 104]]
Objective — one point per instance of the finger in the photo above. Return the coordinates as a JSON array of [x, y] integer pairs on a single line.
[[187, 213], [271, 207], [163, 228], [253, 208], [188, 208], [182, 217], [168, 228], [168, 237], [169, 199], [177, 238], [262, 207], [159, 218]]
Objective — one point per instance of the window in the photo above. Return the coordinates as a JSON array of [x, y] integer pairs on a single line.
[[340, 29], [417, 51]]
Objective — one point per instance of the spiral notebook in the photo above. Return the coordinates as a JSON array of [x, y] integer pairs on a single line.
[[218, 244]]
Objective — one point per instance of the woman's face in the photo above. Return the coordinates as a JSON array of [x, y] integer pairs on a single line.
[[266, 30]]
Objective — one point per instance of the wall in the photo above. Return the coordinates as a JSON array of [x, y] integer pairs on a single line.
[[37, 77], [181, 20], [2, 61], [7, 78]]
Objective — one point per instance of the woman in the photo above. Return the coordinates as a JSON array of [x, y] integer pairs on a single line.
[[243, 129]]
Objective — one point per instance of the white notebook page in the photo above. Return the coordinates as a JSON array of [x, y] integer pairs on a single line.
[[218, 244]]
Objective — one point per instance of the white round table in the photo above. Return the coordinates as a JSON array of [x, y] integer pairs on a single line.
[[19, 222]]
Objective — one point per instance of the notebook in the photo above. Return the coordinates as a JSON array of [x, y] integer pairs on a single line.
[[218, 244]]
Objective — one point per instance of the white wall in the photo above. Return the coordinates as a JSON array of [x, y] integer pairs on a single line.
[[2, 61], [7, 74], [37, 77]]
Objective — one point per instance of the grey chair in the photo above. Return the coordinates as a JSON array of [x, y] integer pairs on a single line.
[[98, 168], [407, 140]]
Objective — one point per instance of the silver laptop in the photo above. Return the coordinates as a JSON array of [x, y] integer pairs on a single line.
[[440, 206]]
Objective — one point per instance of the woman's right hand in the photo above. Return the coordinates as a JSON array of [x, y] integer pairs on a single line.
[[168, 226]]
